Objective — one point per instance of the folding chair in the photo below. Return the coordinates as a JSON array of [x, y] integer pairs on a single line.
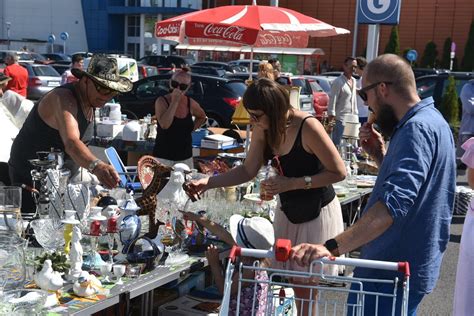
[[127, 174]]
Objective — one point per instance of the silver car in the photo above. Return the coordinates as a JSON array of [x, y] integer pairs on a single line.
[[41, 80], [306, 93]]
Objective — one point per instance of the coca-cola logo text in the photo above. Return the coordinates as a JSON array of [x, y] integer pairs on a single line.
[[233, 33], [170, 29], [271, 39]]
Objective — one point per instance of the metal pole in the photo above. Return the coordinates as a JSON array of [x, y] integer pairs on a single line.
[[8, 24], [356, 29], [373, 34]]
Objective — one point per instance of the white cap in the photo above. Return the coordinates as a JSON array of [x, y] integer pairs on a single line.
[[254, 232]]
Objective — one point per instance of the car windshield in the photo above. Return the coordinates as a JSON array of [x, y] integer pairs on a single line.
[[45, 71], [237, 86], [316, 87], [300, 82]]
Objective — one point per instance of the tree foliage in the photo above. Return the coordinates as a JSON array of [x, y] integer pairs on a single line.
[[450, 105], [428, 60], [393, 45], [446, 57], [468, 59]]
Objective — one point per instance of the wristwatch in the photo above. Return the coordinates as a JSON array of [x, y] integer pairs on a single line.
[[93, 165], [332, 246], [308, 182]]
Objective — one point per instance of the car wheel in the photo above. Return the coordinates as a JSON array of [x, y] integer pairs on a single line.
[[213, 121]]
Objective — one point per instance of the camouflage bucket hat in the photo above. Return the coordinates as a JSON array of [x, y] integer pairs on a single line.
[[104, 70]]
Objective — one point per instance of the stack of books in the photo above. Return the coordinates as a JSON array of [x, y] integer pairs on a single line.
[[217, 141]]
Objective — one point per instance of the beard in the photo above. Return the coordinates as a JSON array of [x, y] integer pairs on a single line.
[[386, 119]]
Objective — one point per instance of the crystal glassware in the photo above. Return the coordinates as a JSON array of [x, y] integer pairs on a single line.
[[119, 271], [49, 233], [10, 213], [25, 302], [105, 270]]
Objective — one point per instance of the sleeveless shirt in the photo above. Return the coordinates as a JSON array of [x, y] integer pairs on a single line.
[[175, 143], [299, 163], [35, 135]]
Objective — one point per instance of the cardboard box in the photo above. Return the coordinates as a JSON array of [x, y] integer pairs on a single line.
[[109, 130]]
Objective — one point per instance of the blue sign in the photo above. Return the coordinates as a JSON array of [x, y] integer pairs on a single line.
[[379, 12], [64, 36], [412, 55], [51, 39]]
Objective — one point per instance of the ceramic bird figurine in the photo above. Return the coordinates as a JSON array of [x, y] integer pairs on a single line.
[[87, 285], [47, 279]]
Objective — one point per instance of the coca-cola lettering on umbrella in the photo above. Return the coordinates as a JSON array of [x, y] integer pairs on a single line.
[[245, 25]]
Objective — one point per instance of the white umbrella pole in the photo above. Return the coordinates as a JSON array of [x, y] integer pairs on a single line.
[[247, 139], [251, 64]]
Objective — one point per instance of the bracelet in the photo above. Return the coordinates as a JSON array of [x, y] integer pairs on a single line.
[[93, 165]]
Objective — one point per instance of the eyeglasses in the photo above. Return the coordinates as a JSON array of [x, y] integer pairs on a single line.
[[182, 86], [363, 92], [104, 90], [255, 117]]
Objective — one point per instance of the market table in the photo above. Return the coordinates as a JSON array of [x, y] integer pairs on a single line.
[[143, 286]]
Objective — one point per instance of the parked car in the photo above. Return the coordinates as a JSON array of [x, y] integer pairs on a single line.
[[242, 76], [435, 85], [22, 56], [165, 61], [60, 68], [418, 72], [204, 70], [62, 58], [219, 65], [246, 63], [306, 93], [324, 82], [41, 80], [217, 96], [146, 71]]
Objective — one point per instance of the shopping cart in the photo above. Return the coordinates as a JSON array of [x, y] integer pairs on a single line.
[[330, 300]]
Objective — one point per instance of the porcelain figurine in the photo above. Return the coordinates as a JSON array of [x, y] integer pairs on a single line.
[[87, 285], [173, 191], [76, 253], [47, 279], [129, 228]]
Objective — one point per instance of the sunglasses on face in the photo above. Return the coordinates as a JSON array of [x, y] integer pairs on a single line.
[[255, 117], [363, 92], [104, 90], [182, 86]]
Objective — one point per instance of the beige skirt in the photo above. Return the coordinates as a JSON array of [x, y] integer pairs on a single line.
[[327, 225]]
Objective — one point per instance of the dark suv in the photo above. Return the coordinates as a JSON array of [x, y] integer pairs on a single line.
[[165, 61], [217, 96], [435, 85]]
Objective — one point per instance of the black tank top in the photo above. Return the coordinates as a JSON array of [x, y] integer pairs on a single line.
[[299, 163], [175, 143], [35, 135]]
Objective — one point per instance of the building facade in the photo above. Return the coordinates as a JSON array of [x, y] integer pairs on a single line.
[[421, 21], [112, 26]]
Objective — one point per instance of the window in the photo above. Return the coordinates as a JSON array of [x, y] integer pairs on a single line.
[[45, 71], [133, 3], [133, 25], [153, 88], [133, 49], [426, 87]]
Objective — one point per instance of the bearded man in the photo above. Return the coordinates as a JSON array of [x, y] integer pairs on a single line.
[[408, 215]]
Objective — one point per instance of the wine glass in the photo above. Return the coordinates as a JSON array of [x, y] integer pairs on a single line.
[[105, 270], [119, 271]]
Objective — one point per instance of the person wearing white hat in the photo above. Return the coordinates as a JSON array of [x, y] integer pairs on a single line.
[[60, 119], [254, 233]]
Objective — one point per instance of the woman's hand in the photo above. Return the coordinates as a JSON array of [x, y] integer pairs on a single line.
[[212, 255], [197, 187], [277, 184], [176, 95], [190, 216]]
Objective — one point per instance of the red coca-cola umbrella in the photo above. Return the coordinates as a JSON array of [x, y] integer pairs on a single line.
[[242, 25]]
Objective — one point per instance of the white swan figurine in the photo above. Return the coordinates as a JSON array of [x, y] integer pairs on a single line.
[[47, 279], [87, 285]]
